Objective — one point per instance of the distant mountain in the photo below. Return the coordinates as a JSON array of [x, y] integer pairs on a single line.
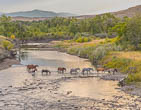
[[39, 13]]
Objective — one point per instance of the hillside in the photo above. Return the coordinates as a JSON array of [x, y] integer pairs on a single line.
[[38, 13], [130, 12]]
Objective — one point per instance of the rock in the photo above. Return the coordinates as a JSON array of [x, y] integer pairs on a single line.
[[122, 82], [69, 92], [59, 100]]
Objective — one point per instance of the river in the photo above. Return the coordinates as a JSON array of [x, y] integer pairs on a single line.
[[58, 89]]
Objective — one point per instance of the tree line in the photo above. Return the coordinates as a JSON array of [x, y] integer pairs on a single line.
[[127, 29]]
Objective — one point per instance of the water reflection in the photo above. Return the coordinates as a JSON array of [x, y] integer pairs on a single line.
[[52, 59], [23, 56], [92, 87], [45, 59]]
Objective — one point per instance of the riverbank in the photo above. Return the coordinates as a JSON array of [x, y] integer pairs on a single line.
[[7, 59], [7, 62], [8, 52]]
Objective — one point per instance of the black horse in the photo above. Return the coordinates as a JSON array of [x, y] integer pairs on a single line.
[[74, 70], [87, 70], [113, 71], [46, 71]]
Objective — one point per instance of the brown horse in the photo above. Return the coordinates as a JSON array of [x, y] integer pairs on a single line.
[[32, 67], [61, 70], [100, 69]]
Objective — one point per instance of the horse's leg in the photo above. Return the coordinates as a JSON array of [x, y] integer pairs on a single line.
[[45, 73], [83, 73], [33, 73], [48, 73], [97, 72], [71, 72], [114, 72]]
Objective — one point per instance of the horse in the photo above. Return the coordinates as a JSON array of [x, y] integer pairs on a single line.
[[88, 70], [30, 67], [46, 71], [91, 69], [74, 70], [61, 70], [100, 69], [113, 71]]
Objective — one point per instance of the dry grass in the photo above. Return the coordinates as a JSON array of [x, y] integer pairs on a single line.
[[133, 55], [2, 38]]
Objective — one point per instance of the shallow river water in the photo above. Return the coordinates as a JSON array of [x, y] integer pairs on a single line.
[[58, 92]]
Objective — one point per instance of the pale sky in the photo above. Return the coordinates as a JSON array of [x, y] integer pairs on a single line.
[[72, 6]]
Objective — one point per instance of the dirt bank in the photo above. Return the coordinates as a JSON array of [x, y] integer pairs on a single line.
[[6, 63], [7, 58]]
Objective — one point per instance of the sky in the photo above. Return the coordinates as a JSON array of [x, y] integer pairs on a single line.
[[80, 7]]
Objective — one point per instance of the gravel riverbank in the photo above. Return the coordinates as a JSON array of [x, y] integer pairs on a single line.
[[133, 89]]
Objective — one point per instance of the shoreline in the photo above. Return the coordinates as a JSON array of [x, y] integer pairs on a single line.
[[8, 62]]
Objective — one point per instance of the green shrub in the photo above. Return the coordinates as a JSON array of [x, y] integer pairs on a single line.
[[134, 78], [82, 39], [121, 63], [7, 45], [73, 51]]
